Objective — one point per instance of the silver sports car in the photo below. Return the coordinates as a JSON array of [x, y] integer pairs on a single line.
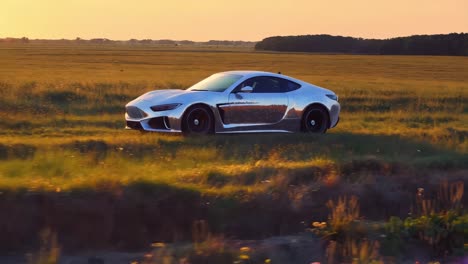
[[235, 102]]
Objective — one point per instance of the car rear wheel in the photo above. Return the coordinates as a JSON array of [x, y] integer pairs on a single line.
[[198, 120], [315, 120]]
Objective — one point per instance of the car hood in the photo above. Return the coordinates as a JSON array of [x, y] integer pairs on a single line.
[[170, 96], [160, 95]]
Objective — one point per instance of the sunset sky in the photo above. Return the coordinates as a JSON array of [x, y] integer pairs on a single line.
[[202, 20]]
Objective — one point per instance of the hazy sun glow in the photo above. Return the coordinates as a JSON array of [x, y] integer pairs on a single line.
[[231, 20]]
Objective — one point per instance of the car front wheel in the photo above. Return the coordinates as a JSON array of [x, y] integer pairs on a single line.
[[198, 120]]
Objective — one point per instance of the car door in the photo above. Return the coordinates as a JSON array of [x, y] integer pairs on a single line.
[[265, 104]]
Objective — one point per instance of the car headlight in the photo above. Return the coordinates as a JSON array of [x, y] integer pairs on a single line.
[[333, 97], [164, 107]]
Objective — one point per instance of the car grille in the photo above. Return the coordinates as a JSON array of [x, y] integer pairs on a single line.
[[135, 112]]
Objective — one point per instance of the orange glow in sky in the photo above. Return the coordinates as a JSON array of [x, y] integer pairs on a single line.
[[202, 20]]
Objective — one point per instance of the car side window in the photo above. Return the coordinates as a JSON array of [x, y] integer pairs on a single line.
[[288, 86], [264, 84]]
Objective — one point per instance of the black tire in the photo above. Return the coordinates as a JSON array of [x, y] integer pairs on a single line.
[[315, 120], [198, 120]]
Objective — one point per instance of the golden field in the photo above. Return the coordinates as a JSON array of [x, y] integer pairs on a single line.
[[62, 95], [404, 124]]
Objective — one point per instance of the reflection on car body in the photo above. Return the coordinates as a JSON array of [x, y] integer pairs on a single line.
[[237, 101]]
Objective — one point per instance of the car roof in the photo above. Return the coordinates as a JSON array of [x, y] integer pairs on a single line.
[[248, 74], [256, 73]]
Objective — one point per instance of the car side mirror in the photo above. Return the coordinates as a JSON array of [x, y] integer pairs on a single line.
[[246, 89]]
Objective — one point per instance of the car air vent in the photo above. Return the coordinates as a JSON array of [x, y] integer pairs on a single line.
[[134, 125], [159, 123]]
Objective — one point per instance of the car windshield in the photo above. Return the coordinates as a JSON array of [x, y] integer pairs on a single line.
[[216, 83]]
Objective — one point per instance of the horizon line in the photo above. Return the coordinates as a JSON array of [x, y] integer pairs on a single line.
[[199, 41]]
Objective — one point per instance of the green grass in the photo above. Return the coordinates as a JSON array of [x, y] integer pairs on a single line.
[[129, 156]]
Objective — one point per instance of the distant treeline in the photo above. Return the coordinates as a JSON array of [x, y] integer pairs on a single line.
[[99, 41], [448, 44]]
